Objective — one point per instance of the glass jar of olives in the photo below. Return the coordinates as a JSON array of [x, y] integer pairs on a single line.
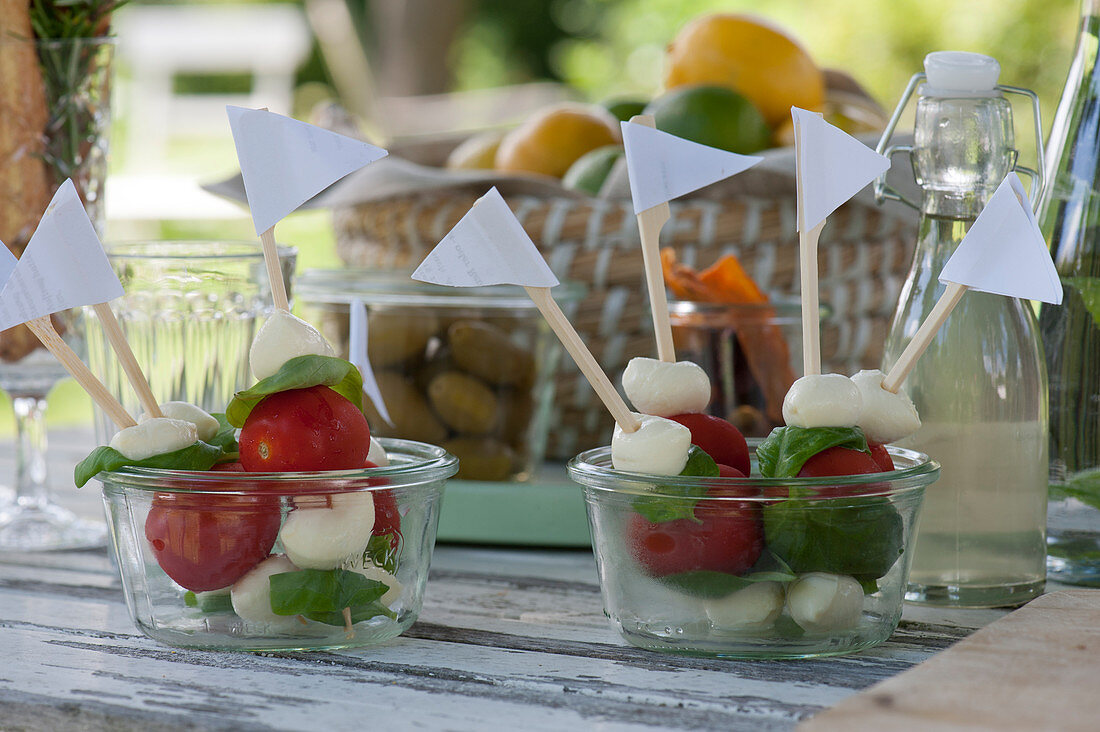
[[470, 370]]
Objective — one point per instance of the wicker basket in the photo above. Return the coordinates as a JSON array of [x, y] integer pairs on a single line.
[[865, 255]]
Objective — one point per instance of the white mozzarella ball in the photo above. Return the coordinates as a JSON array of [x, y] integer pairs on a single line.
[[154, 437], [822, 400], [251, 594], [749, 609], [658, 447], [281, 338], [324, 538], [664, 389], [205, 425], [821, 602], [376, 573], [377, 454], [886, 416]]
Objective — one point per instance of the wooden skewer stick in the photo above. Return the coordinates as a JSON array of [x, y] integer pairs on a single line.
[[811, 307], [274, 271], [127, 359], [43, 328], [650, 222], [924, 335], [807, 255], [583, 357]]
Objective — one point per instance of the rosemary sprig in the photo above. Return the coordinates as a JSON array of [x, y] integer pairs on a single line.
[[74, 81], [57, 19]]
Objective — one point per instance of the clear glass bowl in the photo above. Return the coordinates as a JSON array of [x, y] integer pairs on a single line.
[[236, 517], [470, 369], [829, 578]]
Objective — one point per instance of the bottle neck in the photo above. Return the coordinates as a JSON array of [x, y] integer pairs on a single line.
[[963, 147]]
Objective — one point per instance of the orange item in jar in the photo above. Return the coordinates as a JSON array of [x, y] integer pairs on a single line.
[[765, 348]]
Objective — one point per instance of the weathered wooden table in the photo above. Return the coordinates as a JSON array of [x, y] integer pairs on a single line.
[[508, 638]]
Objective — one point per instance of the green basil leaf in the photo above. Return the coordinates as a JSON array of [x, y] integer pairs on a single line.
[[783, 452], [226, 437], [310, 591], [358, 614], [300, 372], [707, 583], [199, 456], [861, 537], [658, 509], [381, 552], [699, 463], [209, 602], [785, 627]]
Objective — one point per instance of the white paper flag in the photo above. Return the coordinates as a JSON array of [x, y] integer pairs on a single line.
[[833, 166], [284, 162], [7, 264], [64, 265], [1004, 252], [357, 354], [488, 246], [662, 166]]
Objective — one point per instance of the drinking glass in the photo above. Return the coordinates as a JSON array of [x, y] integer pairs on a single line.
[[54, 114], [190, 312], [33, 521]]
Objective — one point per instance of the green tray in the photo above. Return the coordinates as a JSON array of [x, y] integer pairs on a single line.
[[546, 512]]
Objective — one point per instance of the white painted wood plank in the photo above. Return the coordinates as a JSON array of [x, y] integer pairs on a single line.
[[504, 636]]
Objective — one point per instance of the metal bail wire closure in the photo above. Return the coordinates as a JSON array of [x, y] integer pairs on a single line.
[[884, 190]]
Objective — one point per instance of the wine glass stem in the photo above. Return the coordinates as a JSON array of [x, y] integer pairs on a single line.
[[30, 451]]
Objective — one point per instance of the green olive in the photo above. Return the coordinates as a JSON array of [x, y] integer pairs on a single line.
[[394, 338], [412, 418], [486, 351], [481, 458], [464, 404]]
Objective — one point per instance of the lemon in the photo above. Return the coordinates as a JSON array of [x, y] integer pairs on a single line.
[[553, 139], [588, 174], [711, 115], [749, 56], [477, 152]]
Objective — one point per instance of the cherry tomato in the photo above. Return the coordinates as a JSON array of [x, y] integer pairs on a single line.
[[838, 461], [725, 471], [881, 457], [304, 429], [387, 518], [208, 542], [233, 467], [717, 438], [727, 536]]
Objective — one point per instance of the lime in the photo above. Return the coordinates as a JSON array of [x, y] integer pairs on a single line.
[[711, 115], [591, 169], [624, 109]]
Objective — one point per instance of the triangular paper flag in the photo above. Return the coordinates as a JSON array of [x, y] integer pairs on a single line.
[[488, 246], [64, 265], [357, 354], [833, 167], [1004, 252], [284, 162], [662, 166], [7, 264]]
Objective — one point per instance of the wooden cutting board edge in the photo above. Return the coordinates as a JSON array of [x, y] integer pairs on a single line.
[[1036, 668]]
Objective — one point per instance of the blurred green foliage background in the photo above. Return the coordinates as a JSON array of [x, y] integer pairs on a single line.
[[615, 47]]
